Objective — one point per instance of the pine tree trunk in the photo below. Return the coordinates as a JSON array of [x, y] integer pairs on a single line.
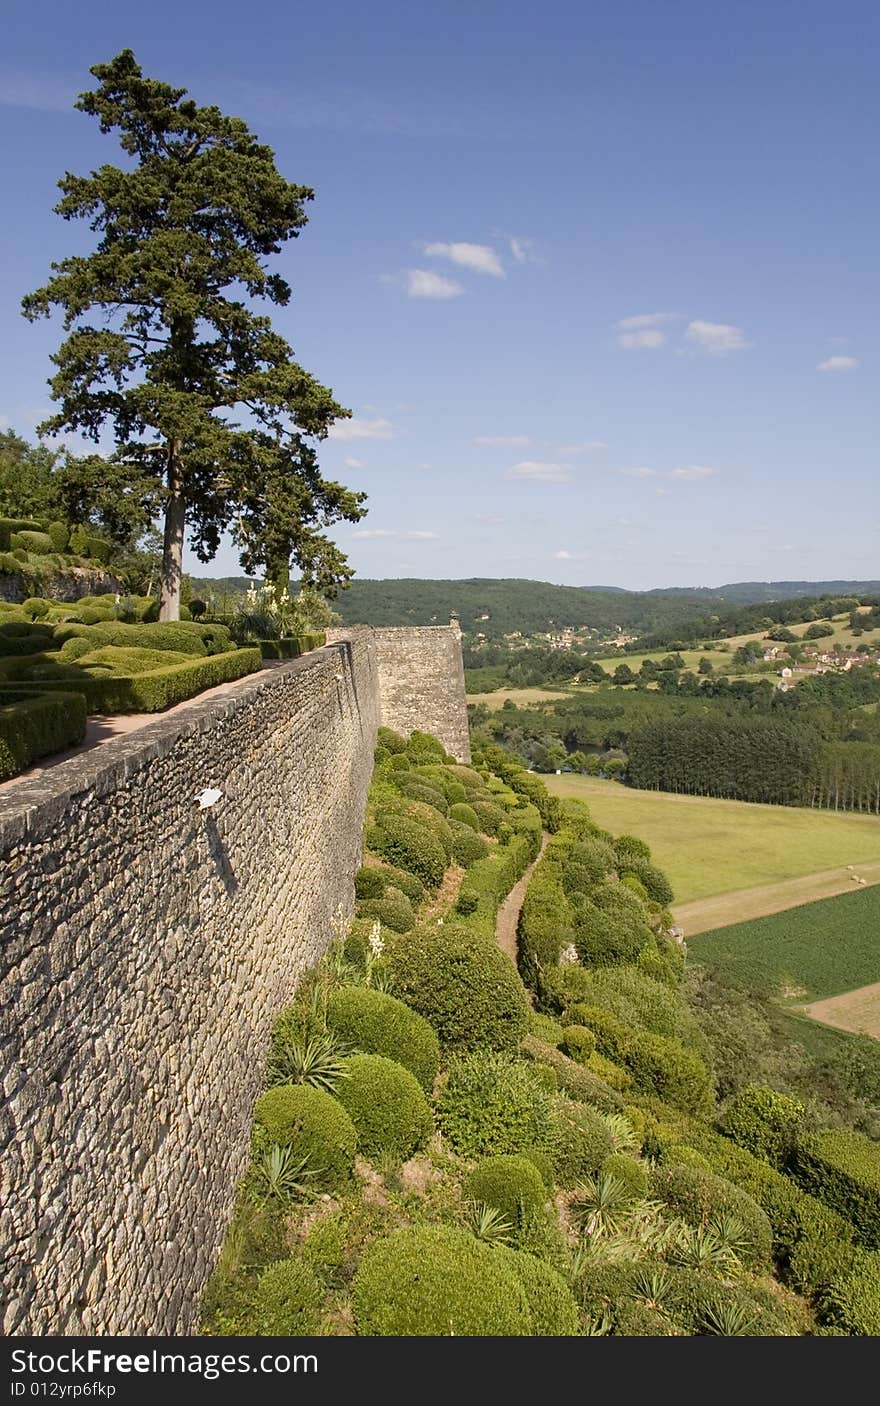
[[172, 550]]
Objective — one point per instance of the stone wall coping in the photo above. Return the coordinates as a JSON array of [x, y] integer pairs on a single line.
[[32, 806]]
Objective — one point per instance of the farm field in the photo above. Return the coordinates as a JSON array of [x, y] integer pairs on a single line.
[[857, 1011], [710, 847], [807, 954], [520, 696]]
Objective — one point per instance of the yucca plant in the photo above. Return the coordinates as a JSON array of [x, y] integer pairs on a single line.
[[281, 1176], [489, 1224], [699, 1247], [623, 1135], [732, 1235], [307, 1059], [602, 1204], [653, 1286], [722, 1318], [597, 1327]]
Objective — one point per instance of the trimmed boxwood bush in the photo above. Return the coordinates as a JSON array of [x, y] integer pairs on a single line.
[[653, 880], [438, 1281], [314, 1125], [852, 1300], [765, 1123], [387, 1106], [463, 984], [415, 790], [288, 1302], [289, 646], [10, 525], [489, 815], [551, 1302], [545, 924], [607, 938], [575, 1079], [465, 815], [467, 845], [493, 1105], [393, 910], [157, 689], [546, 1028], [32, 727], [38, 544], [842, 1168], [510, 1183], [632, 1173], [697, 1197], [578, 1043], [581, 1141], [391, 740], [369, 882], [377, 1023], [409, 845]]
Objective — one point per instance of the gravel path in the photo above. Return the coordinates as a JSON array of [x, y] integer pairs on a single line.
[[508, 913]]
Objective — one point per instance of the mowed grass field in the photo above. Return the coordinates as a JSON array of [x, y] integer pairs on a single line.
[[520, 696], [807, 954], [710, 847]]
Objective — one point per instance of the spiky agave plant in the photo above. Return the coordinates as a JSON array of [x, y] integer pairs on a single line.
[[623, 1135], [602, 1205], [653, 1286], [732, 1236], [488, 1223], [279, 1175], [722, 1318], [699, 1247], [317, 1059]]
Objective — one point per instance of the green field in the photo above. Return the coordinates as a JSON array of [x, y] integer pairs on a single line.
[[805, 954], [710, 847]]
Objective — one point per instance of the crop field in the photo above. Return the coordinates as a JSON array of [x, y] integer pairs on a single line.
[[520, 696], [806, 954], [710, 847]]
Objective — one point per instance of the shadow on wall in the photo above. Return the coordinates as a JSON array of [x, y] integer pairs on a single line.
[[217, 851]]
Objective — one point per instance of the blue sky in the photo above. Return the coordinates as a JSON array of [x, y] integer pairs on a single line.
[[598, 281]]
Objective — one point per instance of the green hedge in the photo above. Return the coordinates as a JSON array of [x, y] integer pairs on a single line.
[[842, 1169], [377, 1023], [430, 1281], [181, 636], [10, 525], [156, 689], [488, 882], [510, 1183], [765, 1123], [700, 1197], [410, 845], [38, 544], [33, 726], [577, 1081], [492, 1105], [387, 1105], [462, 984], [291, 646]]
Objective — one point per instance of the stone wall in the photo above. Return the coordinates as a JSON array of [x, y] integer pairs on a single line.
[[147, 947], [69, 585], [421, 681]]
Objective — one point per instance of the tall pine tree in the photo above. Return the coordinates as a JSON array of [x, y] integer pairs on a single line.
[[163, 343]]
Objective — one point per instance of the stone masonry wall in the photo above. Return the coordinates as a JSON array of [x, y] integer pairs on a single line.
[[146, 949], [421, 681]]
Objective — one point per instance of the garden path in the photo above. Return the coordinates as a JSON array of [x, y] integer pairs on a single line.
[[508, 913]]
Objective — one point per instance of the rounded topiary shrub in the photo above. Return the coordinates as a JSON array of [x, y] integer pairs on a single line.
[[314, 1125], [288, 1301], [581, 1141], [463, 984], [578, 1042], [424, 748], [35, 608], [699, 1198], [431, 1281], [416, 790], [467, 845], [551, 1302], [390, 740], [74, 649], [387, 1106], [369, 882], [393, 910], [465, 815], [631, 1172], [489, 815], [409, 845], [765, 1123], [492, 1104], [377, 1023], [512, 1184]]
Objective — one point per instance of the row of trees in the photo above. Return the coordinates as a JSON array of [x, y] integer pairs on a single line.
[[214, 421]]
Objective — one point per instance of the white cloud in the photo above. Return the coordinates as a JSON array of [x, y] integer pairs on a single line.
[[650, 337], [502, 441], [420, 536], [588, 447], [361, 429], [563, 555], [838, 363], [717, 338], [640, 472], [368, 533], [522, 250], [692, 473], [644, 319], [479, 258], [536, 471], [423, 283], [351, 463]]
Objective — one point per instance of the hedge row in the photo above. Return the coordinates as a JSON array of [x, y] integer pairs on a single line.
[[488, 882], [291, 647], [157, 689], [842, 1169], [33, 727]]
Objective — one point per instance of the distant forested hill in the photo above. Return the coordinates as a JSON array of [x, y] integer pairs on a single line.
[[537, 606]]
